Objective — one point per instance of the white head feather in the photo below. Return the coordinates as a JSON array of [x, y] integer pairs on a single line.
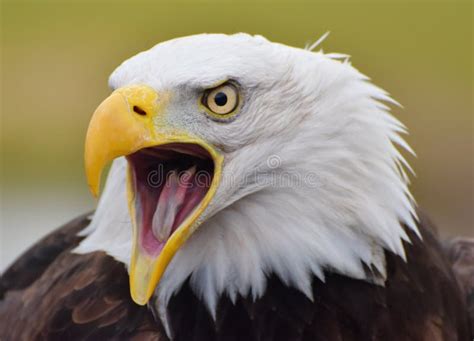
[[312, 180]]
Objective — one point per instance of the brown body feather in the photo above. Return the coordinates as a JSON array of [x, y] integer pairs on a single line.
[[53, 294]]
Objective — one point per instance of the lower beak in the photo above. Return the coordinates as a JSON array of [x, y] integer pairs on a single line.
[[128, 121]]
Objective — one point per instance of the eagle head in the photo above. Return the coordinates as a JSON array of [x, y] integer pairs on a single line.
[[237, 158]]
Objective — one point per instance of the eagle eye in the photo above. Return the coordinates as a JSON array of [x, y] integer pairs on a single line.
[[221, 100]]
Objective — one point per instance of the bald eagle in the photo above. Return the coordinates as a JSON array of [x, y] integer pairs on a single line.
[[257, 192]]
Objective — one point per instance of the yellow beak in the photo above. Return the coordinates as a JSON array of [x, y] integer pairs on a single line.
[[130, 119]]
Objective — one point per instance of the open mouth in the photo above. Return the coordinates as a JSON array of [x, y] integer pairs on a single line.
[[169, 182]]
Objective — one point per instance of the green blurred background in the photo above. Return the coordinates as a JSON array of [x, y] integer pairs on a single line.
[[56, 58]]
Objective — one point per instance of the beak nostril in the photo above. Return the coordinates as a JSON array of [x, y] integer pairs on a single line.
[[139, 110]]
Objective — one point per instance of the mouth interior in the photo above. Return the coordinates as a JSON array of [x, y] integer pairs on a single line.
[[169, 182]]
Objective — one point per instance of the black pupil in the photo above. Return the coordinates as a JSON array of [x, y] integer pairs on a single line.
[[220, 98]]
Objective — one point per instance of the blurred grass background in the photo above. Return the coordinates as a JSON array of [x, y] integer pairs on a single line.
[[56, 58]]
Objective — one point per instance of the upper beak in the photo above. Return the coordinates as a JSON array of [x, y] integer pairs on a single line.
[[130, 119]]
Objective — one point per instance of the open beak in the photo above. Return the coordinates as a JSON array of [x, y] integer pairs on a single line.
[[172, 177]]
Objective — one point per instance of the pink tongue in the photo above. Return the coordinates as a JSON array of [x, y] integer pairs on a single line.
[[177, 199], [169, 202]]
